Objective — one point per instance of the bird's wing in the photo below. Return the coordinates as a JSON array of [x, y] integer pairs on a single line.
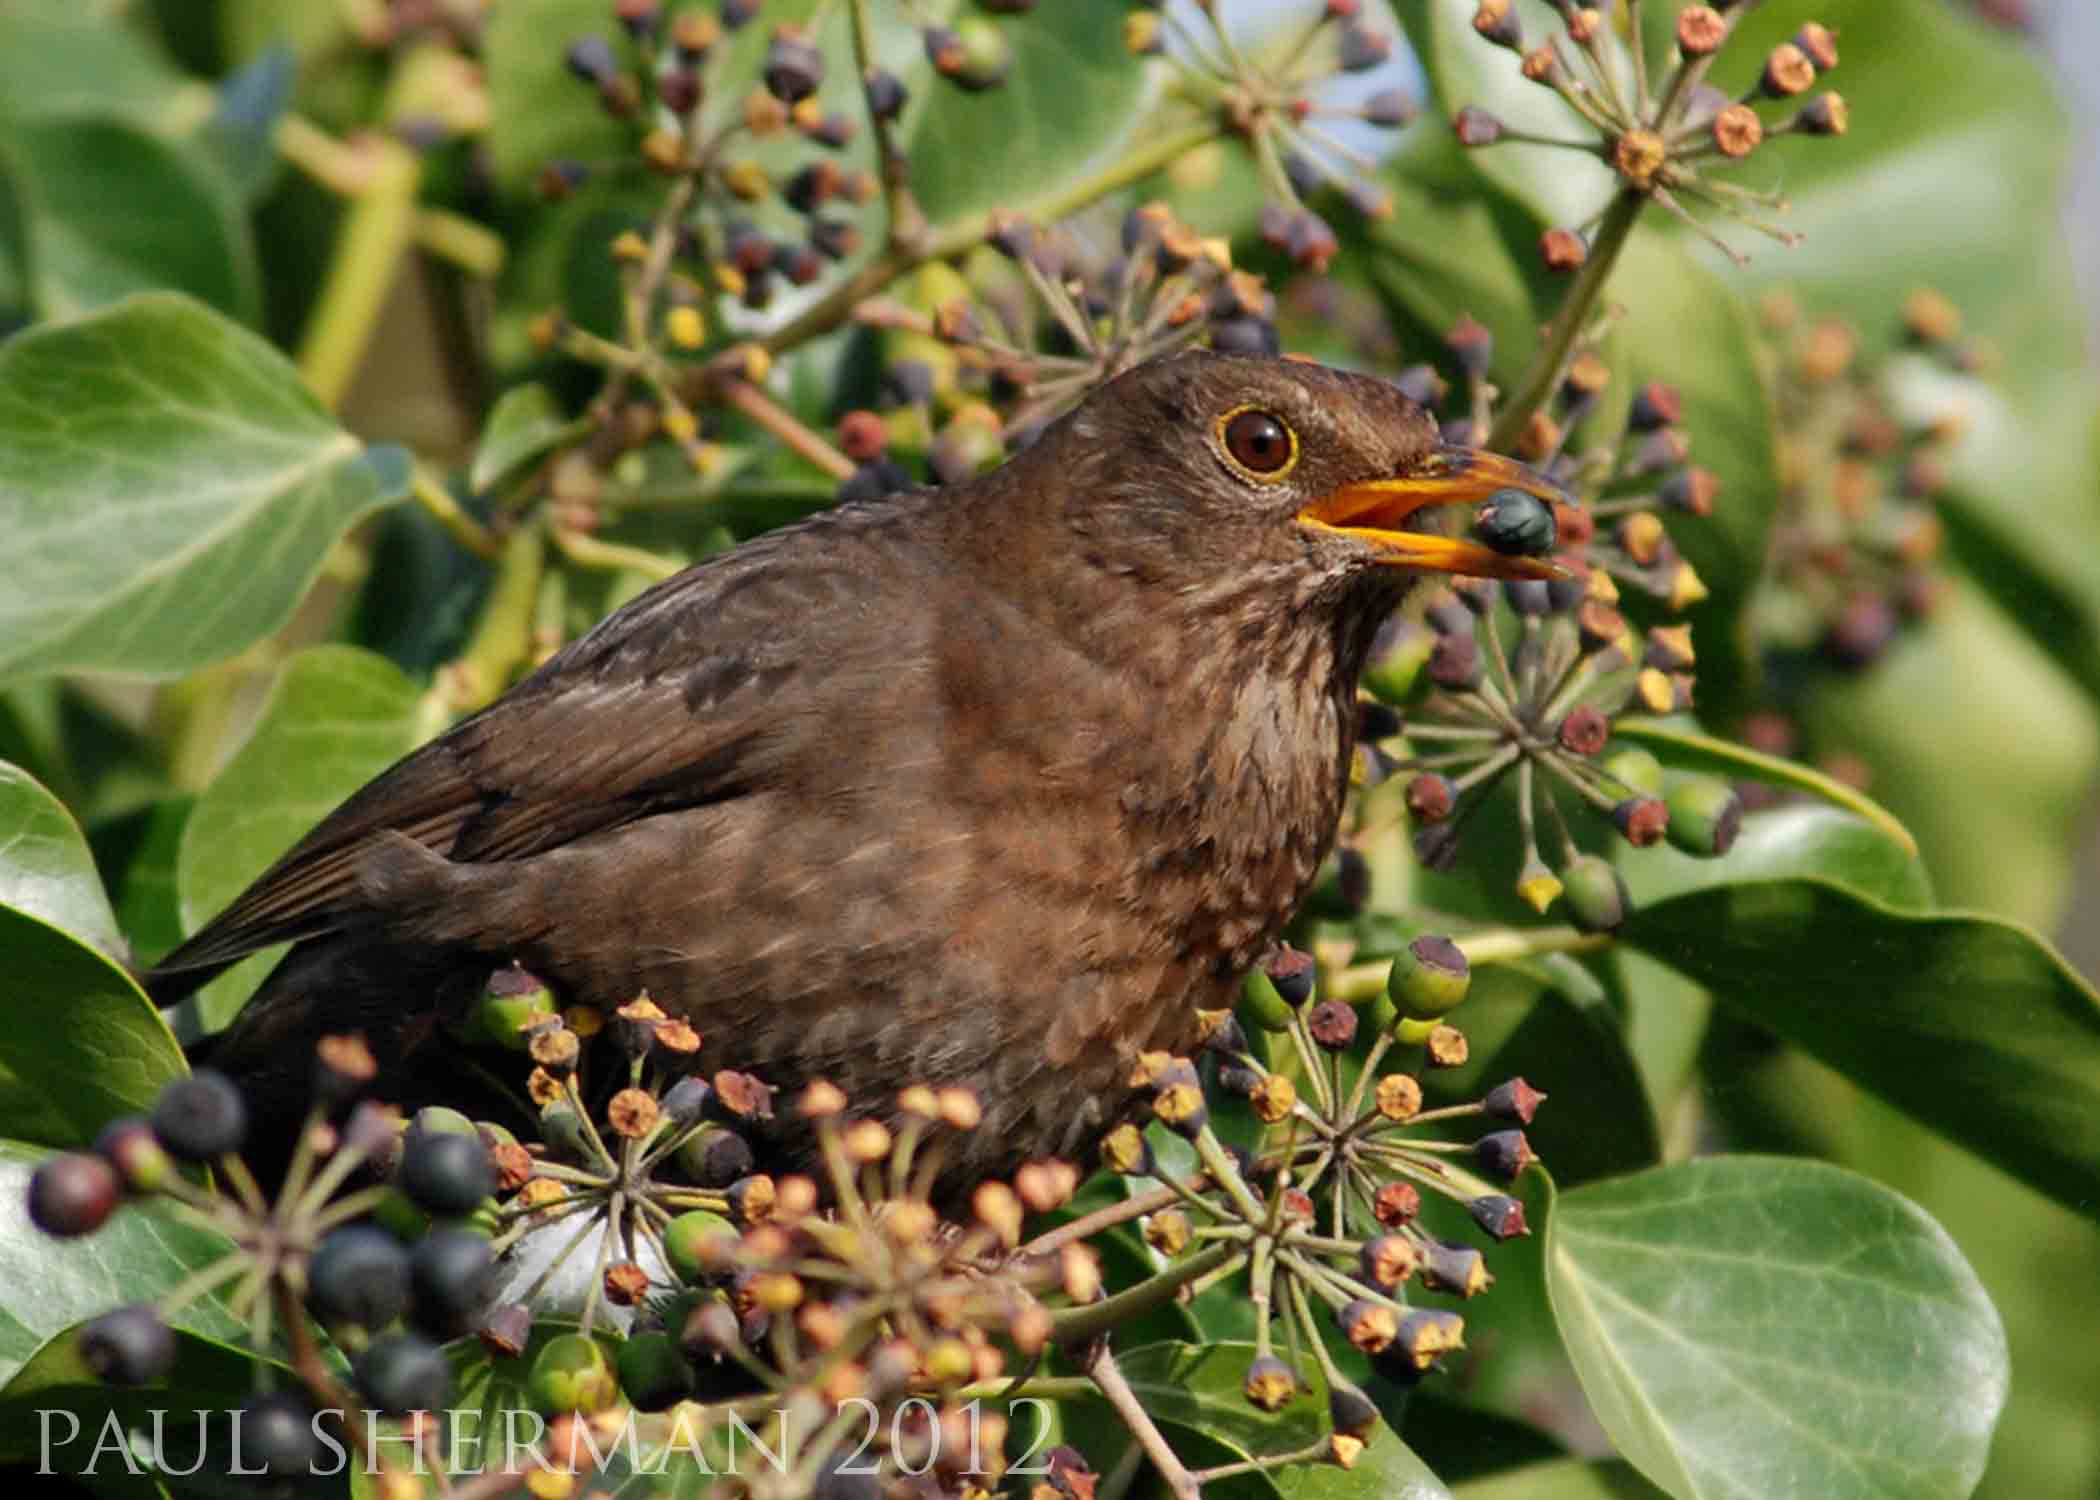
[[676, 700]]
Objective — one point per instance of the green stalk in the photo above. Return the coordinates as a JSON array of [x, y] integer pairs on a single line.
[[1076, 1325], [502, 639], [376, 235], [1549, 365]]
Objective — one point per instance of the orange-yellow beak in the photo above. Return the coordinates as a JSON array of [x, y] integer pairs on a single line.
[[1373, 512]]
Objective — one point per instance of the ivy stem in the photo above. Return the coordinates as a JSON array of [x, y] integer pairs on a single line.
[[804, 441], [1311, 1453], [502, 638], [1103, 1218], [448, 513], [585, 550], [1549, 365], [1101, 1365], [1077, 1324], [907, 223], [376, 235], [313, 1372], [1042, 1387]]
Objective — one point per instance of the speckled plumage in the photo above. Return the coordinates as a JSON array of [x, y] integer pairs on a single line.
[[993, 785]]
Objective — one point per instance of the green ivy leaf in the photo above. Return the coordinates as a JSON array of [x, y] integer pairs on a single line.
[[1972, 1025], [1560, 187], [170, 490], [181, 225], [1564, 1479], [1982, 748], [80, 1043], [1454, 246], [1463, 1443], [57, 57], [1771, 1326], [46, 870], [539, 112], [1521, 1024], [336, 718], [1074, 92], [525, 422], [147, 908], [1689, 328], [1666, 1013]]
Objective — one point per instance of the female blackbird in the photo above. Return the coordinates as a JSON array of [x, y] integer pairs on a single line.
[[993, 785]]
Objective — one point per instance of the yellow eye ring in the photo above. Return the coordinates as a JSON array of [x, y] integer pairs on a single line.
[[1258, 444]]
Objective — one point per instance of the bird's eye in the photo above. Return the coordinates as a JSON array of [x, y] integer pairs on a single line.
[[1258, 444]]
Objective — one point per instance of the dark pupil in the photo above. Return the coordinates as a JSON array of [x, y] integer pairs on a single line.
[[1257, 441]]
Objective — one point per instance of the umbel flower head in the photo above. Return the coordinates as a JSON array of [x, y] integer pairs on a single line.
[[1273, 93], [1324, 1213], [1090, 303], [1659, 124], [1857, 537], [1524, 686]]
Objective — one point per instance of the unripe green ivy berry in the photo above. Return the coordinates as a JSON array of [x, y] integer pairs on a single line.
[[653, 1373], [1705, 813], [1595, 894], [1637, 770], [1261, 1003], [693, 1242], [510, 1001], [572, 1373], [1428, 978], [985, 56], [1394, 673]]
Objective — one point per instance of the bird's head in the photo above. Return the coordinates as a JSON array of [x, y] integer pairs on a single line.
[[1233, 458]]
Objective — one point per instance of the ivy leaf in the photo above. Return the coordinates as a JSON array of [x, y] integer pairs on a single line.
[[1074, 91], [336, 718], [1564, 1479], [525, 422], [1780, 843], [1971, 1024], [1665, 1013], [147, 909], [1522, 1025], [79, 1043], [170, 490], [46, 870], [1777, 1327], [1560, 187], [1982, 748], [180, 225]]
